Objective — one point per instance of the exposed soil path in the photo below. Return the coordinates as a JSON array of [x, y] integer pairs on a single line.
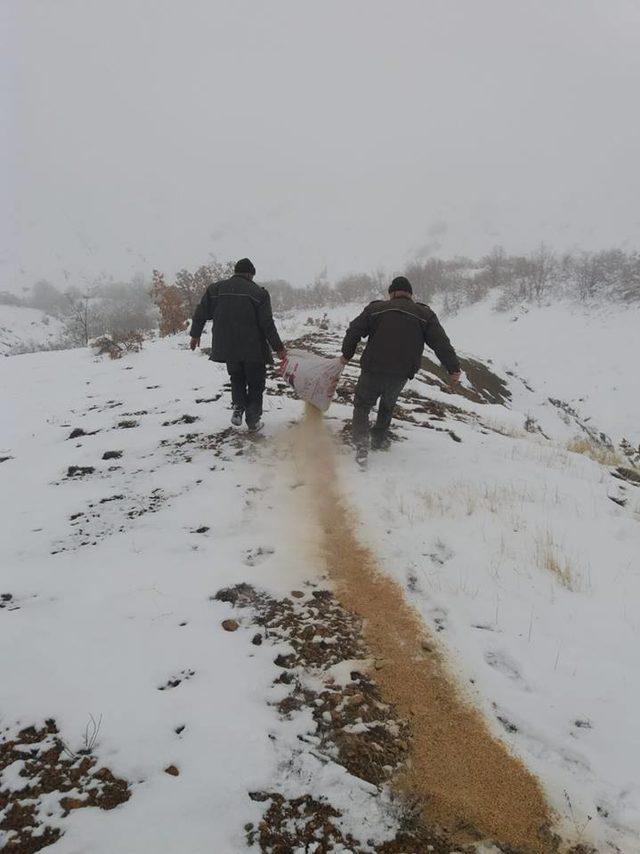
[[467, 780]]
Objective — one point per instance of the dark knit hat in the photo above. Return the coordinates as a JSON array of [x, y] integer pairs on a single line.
[[245, 266], [400, 283]]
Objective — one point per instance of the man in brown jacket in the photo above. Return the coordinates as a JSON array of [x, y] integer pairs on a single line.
[[397, 329]]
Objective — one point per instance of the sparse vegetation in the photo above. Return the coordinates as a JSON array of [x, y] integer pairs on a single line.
[[598, 453], [549, 558], [169, 302]]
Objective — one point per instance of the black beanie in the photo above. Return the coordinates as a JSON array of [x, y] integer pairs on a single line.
[[245, 266], [400, 283]]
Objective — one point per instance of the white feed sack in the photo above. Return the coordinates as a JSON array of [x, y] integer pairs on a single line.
[[313, 378]]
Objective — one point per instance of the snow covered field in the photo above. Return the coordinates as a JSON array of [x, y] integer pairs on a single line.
[[523, 570]]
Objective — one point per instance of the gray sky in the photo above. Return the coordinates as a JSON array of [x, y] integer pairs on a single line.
[[350, 134]]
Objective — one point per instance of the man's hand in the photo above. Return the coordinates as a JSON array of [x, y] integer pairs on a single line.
[[343, 361], [454, 378], [195, 342], [282, 354]]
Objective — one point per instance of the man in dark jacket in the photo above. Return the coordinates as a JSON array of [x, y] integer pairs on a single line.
[[243, 334], [397, 329]]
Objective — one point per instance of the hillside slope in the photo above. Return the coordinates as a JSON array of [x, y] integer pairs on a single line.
[[26, 329], [584, 355], [128, 545]]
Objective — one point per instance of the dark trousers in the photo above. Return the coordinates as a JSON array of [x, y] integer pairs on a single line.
[[369, 388], [247, 386]]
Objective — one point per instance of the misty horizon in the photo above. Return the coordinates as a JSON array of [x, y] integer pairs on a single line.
[[336, 137]]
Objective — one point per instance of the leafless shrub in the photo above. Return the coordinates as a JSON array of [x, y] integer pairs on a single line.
[[105, 345], [91, 732]]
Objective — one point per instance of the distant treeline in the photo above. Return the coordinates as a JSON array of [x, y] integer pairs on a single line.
[[118, 308], [104, 307], [542, 276]]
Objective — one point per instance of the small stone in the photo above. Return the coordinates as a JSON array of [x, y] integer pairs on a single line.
[[256, 640], [297, 594], [426, 646], [172, 770], [248, 826], [69, 804], [379, 664], [230, 625]]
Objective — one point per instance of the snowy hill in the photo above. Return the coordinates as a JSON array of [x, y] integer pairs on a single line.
[[216, 640], [587, 356], [26, 329]]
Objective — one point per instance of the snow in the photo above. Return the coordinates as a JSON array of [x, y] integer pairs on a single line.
[[587, 356], [465, 528], [23, 329]]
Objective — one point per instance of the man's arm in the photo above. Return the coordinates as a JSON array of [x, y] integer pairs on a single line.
[[268, 326], [358, 328], [436, 338], [204, 311]]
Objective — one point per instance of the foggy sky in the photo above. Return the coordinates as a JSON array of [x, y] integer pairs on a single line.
[[346, 134]]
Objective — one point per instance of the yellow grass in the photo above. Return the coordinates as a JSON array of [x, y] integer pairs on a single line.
[[597, 453], [550, 559]]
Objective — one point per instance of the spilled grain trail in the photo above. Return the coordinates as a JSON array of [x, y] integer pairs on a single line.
[[466, 779]]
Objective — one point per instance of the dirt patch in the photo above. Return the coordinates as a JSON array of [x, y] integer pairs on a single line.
[[112, 455], [628, 475], [126, 424], [353, 726], [7, 601], [310, 824], [107, 516], [467, 781], [77, 432], [224, 445], [48, 772], [79, 471], [184, 419]]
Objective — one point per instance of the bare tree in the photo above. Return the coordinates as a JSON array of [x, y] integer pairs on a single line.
[[191, 286], [83, 317]]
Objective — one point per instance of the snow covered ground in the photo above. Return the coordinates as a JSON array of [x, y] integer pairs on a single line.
[[508, 546], [587, 356], [24, 329]]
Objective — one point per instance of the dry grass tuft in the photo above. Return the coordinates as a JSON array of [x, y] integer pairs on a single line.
[[598, 453], [549, 558], [466, 499]]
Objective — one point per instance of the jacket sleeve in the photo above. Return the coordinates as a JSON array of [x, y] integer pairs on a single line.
[[267, 323], [436, 338], [359, 328], [205, 310]]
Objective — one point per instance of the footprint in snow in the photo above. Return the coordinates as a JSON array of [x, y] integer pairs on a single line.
[[439, 616], [174, 681], [440, 553], [504, 664], [254, 557], [413, 585]]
